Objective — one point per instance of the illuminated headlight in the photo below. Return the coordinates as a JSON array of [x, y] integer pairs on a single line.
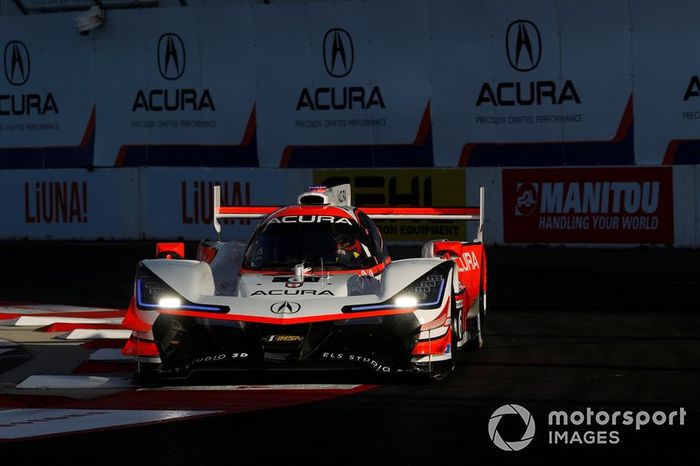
[[151, 290], [406, 301], [152, 293], [170, 303], [426, 291]]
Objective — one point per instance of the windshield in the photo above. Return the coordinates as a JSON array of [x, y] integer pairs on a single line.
[[280, 246]]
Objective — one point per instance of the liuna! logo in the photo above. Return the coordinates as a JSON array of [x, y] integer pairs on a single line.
[[511, 410]]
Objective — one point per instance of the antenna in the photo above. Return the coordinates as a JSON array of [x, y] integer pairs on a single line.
[[215, 214]]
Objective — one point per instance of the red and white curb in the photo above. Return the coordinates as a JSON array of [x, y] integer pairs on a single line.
[[16, 424], [50, 413]]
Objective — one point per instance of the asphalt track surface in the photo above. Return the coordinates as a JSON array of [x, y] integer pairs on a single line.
[[567, 329]]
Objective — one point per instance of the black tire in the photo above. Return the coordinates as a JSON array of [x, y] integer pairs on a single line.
[[476, 340], [147, 375]]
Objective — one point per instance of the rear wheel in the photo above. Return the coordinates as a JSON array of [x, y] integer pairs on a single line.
[[474, 326]]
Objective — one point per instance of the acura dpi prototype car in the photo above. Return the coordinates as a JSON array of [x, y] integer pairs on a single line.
[[314, 288]]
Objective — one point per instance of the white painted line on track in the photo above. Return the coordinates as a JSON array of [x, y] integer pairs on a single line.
[[109, 354], [46, 308], [26, 423], [34, 321], [95, 334], [256, 387], [73, 381]]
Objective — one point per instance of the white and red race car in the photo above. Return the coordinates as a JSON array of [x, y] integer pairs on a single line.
[[315, 288]]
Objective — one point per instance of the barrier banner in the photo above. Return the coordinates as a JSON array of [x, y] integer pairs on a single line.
[[531, 83], [666, 82], [176, 87], [69, 204], [47, 97], [406, 187], [350, 88], [178, 202], [588, 205]]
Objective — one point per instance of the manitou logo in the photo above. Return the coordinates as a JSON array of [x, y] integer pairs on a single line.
[[338, 60], [525, 198], [171, 59], [56, 202], [524, 51], [17, 71], [197, 199], [588, 205], [631, 197]]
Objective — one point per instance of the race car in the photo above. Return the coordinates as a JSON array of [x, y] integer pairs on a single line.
[[314, 288]]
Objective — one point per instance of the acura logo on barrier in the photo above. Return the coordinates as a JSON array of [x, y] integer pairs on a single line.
[[338, 52], [523, 45], [171, 56], [285, 308], [16, 63]]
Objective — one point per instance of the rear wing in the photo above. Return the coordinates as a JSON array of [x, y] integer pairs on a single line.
[[377, 213]]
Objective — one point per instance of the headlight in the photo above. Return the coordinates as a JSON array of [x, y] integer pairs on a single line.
[[154, 293], [150, 289], [170, 303], [424, 293]]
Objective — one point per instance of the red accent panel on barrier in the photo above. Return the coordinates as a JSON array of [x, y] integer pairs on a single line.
[[588, 205]]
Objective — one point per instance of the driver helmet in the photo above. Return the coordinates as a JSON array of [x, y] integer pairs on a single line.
[[347, 248]]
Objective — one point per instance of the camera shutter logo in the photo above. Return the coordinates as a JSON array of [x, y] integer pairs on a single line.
[[511, 409], [285, 308], [171, 56], [17, 63], [338, 52], [523, 45]]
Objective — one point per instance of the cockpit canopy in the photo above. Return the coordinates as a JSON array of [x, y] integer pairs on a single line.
[[328, 241]]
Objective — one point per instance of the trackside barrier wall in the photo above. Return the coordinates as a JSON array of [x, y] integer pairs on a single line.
[[606, 206], [134, 203], [408, 83]]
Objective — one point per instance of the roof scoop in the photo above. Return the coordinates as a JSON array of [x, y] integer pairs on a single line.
[[321, 195]]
